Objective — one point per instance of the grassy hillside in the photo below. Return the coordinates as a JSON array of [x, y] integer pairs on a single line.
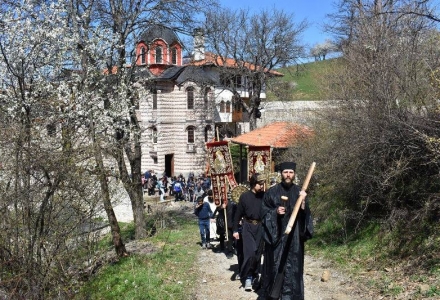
[[302, 82]]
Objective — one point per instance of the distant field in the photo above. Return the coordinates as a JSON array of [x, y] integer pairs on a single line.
[[304, 80]]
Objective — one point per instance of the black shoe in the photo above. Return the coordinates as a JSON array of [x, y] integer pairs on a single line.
[[256, 284], [229, 255]]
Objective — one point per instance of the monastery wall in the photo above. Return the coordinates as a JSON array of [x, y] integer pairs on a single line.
[[302, 112]]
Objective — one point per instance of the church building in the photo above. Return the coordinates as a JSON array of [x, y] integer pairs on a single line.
[[183, 103]]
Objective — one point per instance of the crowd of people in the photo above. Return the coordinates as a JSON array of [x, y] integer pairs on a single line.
[[178, 187], [270, 262]]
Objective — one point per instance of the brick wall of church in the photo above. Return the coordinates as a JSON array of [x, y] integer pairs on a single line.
[[171, 119]]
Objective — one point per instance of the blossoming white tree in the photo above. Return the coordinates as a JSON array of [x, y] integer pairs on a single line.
[[61, 114]]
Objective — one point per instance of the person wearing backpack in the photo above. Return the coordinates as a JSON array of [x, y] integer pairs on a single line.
[[177, 190]]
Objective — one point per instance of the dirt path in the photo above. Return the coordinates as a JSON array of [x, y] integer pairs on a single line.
[[216, 280]]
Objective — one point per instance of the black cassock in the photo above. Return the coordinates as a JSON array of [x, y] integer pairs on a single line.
[[249, 208], [275, 240]]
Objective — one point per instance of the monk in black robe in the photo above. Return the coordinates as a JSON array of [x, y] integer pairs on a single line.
[[248, 214], [284, 253]]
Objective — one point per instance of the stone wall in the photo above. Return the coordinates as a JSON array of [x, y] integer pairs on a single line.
[[301, 112]]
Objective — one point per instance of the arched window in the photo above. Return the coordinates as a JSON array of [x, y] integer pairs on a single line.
[[228, 106], [190, 130], [222, 106], [143, 55], [190, 97], [174, 56], [158, 55], [207, 130], [154, 135]]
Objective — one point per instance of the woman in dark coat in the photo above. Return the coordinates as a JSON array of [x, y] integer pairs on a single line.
[[284, 254]]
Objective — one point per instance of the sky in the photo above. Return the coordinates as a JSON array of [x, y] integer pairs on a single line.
[[314, 11]]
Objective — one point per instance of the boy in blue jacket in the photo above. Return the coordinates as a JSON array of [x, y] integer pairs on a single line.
[[204, 213]]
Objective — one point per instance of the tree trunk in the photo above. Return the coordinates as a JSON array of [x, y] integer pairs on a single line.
[[138, 194], [133, 186], [114, 225]]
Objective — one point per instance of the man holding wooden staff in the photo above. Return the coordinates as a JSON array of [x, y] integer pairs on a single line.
[[283, 266]]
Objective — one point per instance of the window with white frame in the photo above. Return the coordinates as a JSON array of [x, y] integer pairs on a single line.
[[190, 130], [231, 80]]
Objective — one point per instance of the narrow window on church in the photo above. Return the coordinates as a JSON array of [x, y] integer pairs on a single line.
[[154, 94], [143, 55], [190, 97], [190, 134], [154, 135], [174, 56], [158, 55]]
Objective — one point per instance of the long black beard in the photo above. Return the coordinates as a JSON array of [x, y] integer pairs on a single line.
[[287, 185]]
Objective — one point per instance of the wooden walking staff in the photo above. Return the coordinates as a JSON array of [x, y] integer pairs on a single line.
[[300, 199], [279, 278]]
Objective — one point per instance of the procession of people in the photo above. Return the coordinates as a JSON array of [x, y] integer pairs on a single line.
[[257, 229]]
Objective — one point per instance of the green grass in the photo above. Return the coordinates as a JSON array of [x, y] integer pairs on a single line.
[[307, 78], [168, 273]]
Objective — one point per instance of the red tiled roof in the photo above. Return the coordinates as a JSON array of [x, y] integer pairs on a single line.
[[276, 135], [217, 60]]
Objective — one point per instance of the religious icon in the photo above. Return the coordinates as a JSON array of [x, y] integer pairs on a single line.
[[219, 162], [259, 164]]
